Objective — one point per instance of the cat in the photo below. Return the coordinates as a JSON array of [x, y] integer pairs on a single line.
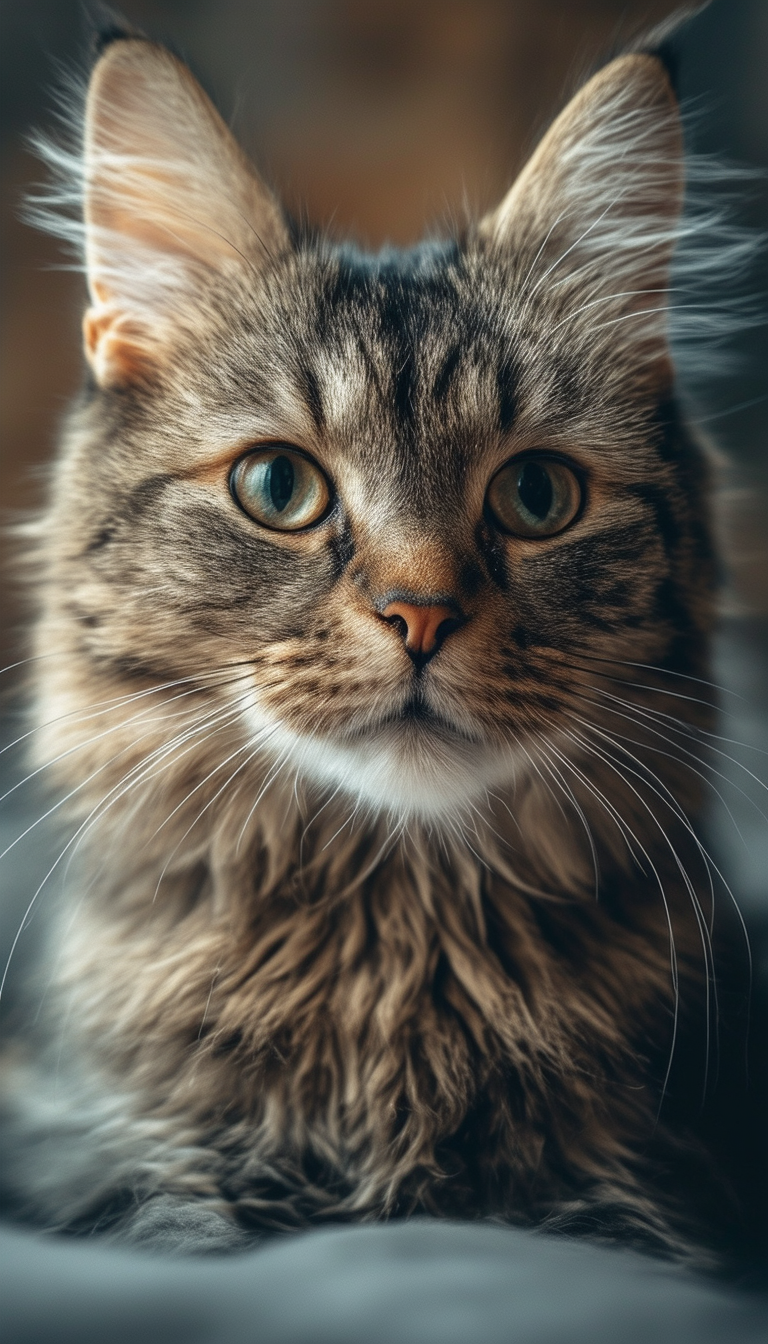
[[375, 595]]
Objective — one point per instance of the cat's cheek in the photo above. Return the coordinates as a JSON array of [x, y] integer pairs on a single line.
[[328, 703]]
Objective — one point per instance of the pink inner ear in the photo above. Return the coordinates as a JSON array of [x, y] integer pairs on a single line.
[[168, 197]]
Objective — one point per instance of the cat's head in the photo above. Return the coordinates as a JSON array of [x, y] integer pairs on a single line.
[[413, 498]]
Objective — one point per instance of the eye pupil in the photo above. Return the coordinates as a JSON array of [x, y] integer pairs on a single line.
[[534, 497], [534, 486], [280, 482], [280, 488]]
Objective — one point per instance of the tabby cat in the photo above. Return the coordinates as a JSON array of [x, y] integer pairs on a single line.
[[374, 603]]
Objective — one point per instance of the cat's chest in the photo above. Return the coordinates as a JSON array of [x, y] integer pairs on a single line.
[[378, 1019], [380, 1013]]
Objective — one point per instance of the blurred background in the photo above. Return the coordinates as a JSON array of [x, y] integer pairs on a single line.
[[383, 119]]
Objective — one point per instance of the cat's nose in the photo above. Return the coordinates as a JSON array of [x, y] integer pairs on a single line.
[[423, 625]]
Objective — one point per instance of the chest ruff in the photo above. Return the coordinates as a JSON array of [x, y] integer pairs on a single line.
[[412, 1045]]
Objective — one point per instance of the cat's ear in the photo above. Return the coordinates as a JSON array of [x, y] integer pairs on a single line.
[[595, 213], [170, 200]]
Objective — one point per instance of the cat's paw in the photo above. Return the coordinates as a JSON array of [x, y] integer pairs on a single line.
[[182, 1227]]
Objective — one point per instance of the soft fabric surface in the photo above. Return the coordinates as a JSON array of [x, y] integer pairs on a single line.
[[413, 1283]]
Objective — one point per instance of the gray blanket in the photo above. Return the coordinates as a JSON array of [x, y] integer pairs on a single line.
[[420, 1282]]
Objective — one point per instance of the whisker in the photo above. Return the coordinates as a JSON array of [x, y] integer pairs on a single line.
[[666, 797], [220, 766], [128, 782], [674, 968], [275, 771], [24, 662], [665, 671], [680, 727], [579, 811], [645, 686], [101, 707], [253, 752], [710, 863], [77, 789], [114, 728], [671, 755]]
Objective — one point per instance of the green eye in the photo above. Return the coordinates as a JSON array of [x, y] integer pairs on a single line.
[[534, 497], [280, 488]]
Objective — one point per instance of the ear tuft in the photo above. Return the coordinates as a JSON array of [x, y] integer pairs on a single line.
[[105, 37], [663, 41], [108, 25]]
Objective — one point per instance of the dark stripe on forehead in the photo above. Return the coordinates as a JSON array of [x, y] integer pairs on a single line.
[[310, 390], [370, 365], [404, 386], [401, 298], [402, 318], [446, 373], [507, 381]]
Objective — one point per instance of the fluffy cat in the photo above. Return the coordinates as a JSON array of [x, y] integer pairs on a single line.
[[375, 595]]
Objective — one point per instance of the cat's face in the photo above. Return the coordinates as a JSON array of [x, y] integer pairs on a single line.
[[411, 499]]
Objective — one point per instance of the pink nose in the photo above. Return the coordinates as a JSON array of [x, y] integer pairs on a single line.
[[423, 626]]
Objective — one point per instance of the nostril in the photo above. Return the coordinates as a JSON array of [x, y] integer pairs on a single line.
[[446, 628], [399, 624]]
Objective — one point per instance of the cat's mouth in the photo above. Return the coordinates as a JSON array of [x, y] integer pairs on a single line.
[[417, 715], [412, 759]]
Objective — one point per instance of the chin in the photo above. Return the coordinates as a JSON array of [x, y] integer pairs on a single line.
[[408, 770]]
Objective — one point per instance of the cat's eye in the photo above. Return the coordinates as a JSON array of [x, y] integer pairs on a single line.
[[534, 497], [279, 487]]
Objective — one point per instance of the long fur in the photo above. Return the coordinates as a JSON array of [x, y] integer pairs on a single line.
[[346, 941]]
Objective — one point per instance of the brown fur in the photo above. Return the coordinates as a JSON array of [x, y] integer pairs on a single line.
[[439, 978]]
